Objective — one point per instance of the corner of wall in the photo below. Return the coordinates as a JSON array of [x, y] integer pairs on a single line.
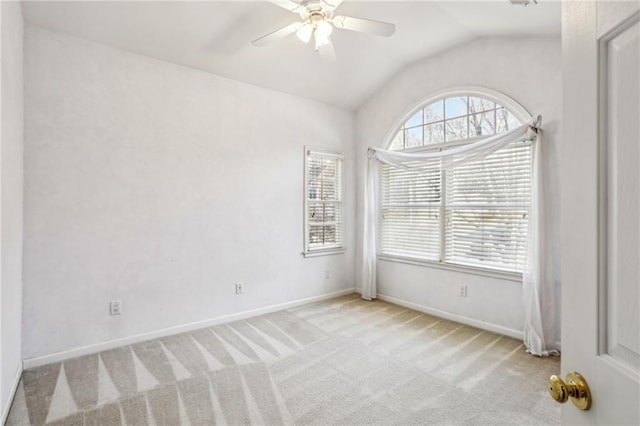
[[6, 405], [11, 201], [501, 64]]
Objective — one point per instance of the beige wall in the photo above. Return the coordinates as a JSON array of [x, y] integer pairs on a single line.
[[525, 69], [162, 186]]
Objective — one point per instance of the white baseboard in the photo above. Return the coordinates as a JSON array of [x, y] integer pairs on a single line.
[[455, 317], [12, 395], [99, 347]]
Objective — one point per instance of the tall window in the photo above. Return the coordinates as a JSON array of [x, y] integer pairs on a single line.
[[472, 215], [323, 203]]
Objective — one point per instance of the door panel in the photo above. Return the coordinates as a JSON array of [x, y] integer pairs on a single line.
[[620, 117], [600, 190], [612, 13]]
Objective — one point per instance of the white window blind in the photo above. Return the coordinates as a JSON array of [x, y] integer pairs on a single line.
[[472, 215], [486, 209], [323, 202], [411, 199]]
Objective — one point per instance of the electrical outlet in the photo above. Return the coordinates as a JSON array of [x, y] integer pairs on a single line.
[[115, 307], [463, 291], [239, 288]]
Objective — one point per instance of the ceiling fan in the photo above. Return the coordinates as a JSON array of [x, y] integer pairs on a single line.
[[318, 22]]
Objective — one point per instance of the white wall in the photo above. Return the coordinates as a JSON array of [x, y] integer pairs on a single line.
[[11, 144], [162, 186], [529, 71]]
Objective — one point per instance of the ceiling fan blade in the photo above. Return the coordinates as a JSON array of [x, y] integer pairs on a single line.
[[384, 29], [290, 5], [277, 34], [327, 53], [333, 3]]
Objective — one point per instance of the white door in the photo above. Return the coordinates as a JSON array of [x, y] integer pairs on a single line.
[[600, 185]]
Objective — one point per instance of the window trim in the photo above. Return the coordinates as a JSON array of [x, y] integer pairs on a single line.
[[324, 250], [466, 269], [509, 103], [493, 95]]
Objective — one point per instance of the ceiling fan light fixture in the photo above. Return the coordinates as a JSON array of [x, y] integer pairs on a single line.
[[323, 30], [305, 32], [322, 41], [322, 33], [318, 20]]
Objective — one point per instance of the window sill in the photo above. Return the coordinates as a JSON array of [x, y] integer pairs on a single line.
[[493, 273], [326, 252]]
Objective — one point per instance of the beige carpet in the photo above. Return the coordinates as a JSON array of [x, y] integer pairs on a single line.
[[343, 361]]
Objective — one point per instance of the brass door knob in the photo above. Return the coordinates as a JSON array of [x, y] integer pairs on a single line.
[[575, 388]]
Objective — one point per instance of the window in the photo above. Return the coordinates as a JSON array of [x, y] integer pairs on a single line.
[[472, 215], [323, 207]]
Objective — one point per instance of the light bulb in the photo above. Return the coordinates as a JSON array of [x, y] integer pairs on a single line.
[[323, 29], [305, 32], [321, 41], [322, 33]]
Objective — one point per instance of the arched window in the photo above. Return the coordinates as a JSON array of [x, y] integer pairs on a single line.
[[455, 117], [471, 215]]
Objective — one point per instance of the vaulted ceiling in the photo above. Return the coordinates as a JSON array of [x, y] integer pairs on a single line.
[[216, 37]]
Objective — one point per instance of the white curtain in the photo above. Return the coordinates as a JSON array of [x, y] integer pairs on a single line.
[[536, 290], [540, 305]]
